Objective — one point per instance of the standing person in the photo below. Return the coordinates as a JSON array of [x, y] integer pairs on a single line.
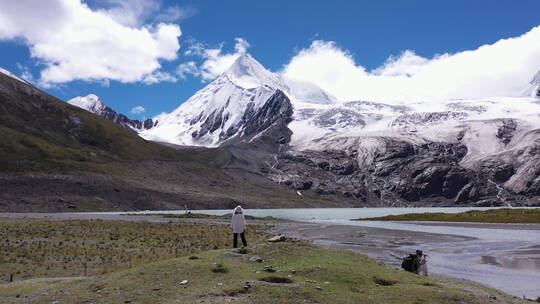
[[238, 225]]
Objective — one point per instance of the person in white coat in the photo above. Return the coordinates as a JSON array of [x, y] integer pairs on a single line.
[[238, 225]]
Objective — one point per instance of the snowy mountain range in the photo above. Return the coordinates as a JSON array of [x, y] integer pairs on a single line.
[[481, 151]]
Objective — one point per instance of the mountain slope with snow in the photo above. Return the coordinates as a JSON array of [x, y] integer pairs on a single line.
[[93, 104], [476, 151], [8, 73], [220, 112]]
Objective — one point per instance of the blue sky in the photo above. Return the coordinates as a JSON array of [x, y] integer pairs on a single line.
[[367, 31]]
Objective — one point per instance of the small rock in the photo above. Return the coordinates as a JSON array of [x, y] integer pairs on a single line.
[[318, 287], [242, 250], [269, 269], [326, 282], [184, 282], [220, 284], [277, 238], [256, 259]]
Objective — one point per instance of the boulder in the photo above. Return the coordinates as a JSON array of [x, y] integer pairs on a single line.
[[277, 238]]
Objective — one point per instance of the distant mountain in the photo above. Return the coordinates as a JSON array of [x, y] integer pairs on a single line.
[[93, 104], [440, 153], [58, 157]]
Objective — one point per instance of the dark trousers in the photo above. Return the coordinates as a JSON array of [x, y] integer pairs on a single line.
[[235, 239]]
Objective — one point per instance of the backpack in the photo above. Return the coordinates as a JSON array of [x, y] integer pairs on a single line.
[[408, 263]]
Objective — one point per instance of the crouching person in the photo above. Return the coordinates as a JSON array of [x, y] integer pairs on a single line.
[[416, 263]]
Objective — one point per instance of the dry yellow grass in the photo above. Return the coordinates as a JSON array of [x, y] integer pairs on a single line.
[[40, 248]]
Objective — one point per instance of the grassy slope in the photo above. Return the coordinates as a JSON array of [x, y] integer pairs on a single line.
[[504, 215], [351, 277], [41, 132]]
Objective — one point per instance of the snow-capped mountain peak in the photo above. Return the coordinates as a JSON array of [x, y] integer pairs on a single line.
[[90, 103], [246, 72], [225, 108]]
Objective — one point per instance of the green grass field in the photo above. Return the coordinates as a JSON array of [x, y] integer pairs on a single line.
[[48, 255], [504, 215], [309, 274]]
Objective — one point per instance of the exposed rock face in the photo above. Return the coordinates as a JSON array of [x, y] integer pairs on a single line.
[[535, 82], [401, 174], [127, 122], [506, 131]]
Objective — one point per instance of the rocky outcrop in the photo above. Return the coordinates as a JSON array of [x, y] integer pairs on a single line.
[[403, 174], [506, 131], [127, 122], [535, 83], [266, 128]]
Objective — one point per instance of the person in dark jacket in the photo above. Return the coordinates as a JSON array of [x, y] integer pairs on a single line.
[[420, 263]]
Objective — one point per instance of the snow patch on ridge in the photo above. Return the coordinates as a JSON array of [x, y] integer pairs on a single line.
[[90, 103], [8, 73]]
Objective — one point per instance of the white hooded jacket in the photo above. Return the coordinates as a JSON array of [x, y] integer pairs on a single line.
[[238, 222]]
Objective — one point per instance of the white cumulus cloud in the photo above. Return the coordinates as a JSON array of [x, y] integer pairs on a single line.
[[74, 42], [215, 61], [157, 77], [187, 68], [137, 110], [503, 68], [135, 13]]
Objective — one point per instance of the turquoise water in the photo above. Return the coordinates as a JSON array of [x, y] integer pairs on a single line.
[[320, 214], [343, 216]]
